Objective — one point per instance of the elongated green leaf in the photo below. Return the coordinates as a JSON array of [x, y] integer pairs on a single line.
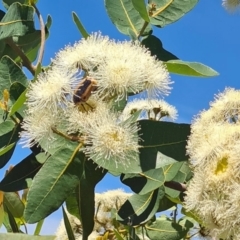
[[12, 222], [17, 21], [155, 46], [68, 227], [118, 235], [125, 17], [79, 25], [53, 183], [92, 175], [16, 90], [164, 228], [193, 69], [15, 180], [49, 22], [140, 6], [72, 203], [6, 149], [164, 12], [140, 208], [8, 137], [18, 104], [16, 236], [14, 204]]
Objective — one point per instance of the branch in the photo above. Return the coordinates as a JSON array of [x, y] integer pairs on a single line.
[[43, 35], [21, 54]]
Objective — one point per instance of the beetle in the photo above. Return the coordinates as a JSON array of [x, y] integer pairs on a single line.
[[84, 90]]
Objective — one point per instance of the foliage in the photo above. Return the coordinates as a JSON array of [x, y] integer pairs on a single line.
[[162, 163]]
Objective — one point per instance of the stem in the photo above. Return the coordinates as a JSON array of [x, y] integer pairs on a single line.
[[175, 215], [68, 137], [176, 186], [143, 29], [38, 227], [43, 35], [25, 60]]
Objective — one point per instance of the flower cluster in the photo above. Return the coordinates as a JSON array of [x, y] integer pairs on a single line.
[[76, 97], [154, 109], [231, 5], [213, 193], [104, 203]]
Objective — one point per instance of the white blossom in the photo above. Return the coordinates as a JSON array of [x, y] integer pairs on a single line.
[[156, 109]]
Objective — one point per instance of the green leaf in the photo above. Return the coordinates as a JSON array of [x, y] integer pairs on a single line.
[[16, 89], [6, 127], [7, 3], [170, 171], [164, 204], [165, 12], [145, 182], [14, 204], [8, 137], [79, 25], [166, 229], [140, 208], [148, 181], [18, 21], [16, 236], [19, 103], [118, 235], [125, 17], [180, 177], [68, 227], [53, 183], [10, 73], [155, 46], [29, 44], [193, 69], [92, 175], [49, 22], [12, 221], [140, 6], [15, 180], [72, 203], [168, 138]]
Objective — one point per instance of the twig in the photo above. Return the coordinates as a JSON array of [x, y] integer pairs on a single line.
[[26, 62], [68, 137], [143, 28], [43, 35]]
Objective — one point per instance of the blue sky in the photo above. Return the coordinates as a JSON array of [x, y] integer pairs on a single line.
[[208, 34]]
